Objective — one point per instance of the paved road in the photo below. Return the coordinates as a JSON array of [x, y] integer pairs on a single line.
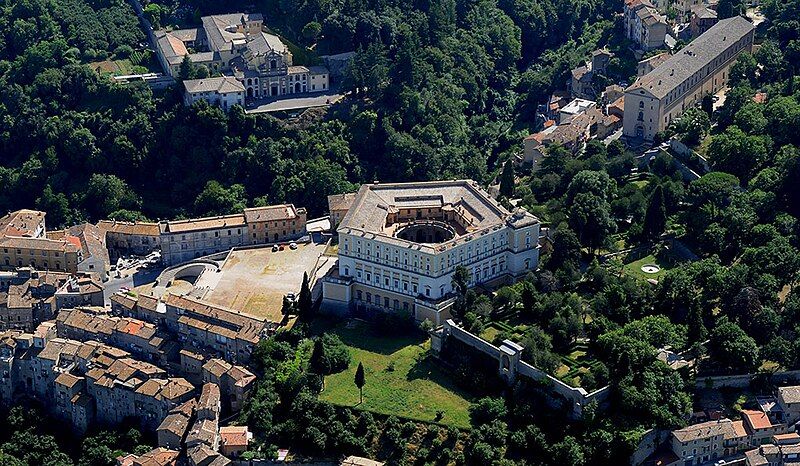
[[295, 103], [137, 278]]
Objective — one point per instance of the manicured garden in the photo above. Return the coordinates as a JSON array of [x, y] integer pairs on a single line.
[[661, 256], [576, 364], [402, 379], [635, 268], [137, 62]]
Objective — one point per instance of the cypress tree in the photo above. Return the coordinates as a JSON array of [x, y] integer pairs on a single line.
[[507, 180], [360, 381], [304, 302], [655, 218]]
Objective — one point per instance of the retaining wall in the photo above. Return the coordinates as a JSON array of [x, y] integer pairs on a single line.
[[743, 380], [510, 366]]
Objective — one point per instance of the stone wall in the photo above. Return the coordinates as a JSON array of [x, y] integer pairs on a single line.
[[511, 366], [743, 380]]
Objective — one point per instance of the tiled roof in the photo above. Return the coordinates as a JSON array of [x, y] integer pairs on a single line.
[[129, 228], [39, 244], [737, 431], [171, 47], [756, 419], [694, 57], [340, 201], [238, 324], [270, 213], [233, 436], [176, 423], [175, 388], [206, 223], [220, 85], [22, 222], [68, 380], [790, 394], [704, 430], [157, 457], [209, 397]]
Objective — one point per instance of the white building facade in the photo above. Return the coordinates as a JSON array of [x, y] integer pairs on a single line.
[[399, 245], [239, 46], [681, 82], [224, 92]]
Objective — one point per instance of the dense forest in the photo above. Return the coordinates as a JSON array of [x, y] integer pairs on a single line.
[[29, 437], [445, 90]]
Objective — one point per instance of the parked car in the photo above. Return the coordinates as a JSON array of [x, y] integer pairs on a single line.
[[292, 245], [275, 248]]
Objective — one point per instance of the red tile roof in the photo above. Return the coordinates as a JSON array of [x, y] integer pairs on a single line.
[[756, 419]]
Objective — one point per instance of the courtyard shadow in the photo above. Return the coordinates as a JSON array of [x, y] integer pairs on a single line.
[[426, 368], [367, 336]]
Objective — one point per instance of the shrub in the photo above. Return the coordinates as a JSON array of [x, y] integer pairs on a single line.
[[487, 410], [123, 51], [330, 355]]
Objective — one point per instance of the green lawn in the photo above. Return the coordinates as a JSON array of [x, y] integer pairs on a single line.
[[401, 379], [635, 268]]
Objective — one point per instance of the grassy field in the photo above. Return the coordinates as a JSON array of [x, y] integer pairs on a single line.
[[635, 268], [401, 379], [140, 62]]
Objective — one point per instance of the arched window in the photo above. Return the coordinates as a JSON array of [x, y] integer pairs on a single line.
[[641, 116], [641, 104]]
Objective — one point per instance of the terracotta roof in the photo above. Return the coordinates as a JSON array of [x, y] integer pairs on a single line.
[[68, 380], [129, 228], [270, 213], [233, 436], [738, 430], [199, 224], [217, 367], [157, 457], [756, 419], [22, 222], [791, 437], [38, 244], [176, 423], [175, 388], [237, 324], [209, 397]]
